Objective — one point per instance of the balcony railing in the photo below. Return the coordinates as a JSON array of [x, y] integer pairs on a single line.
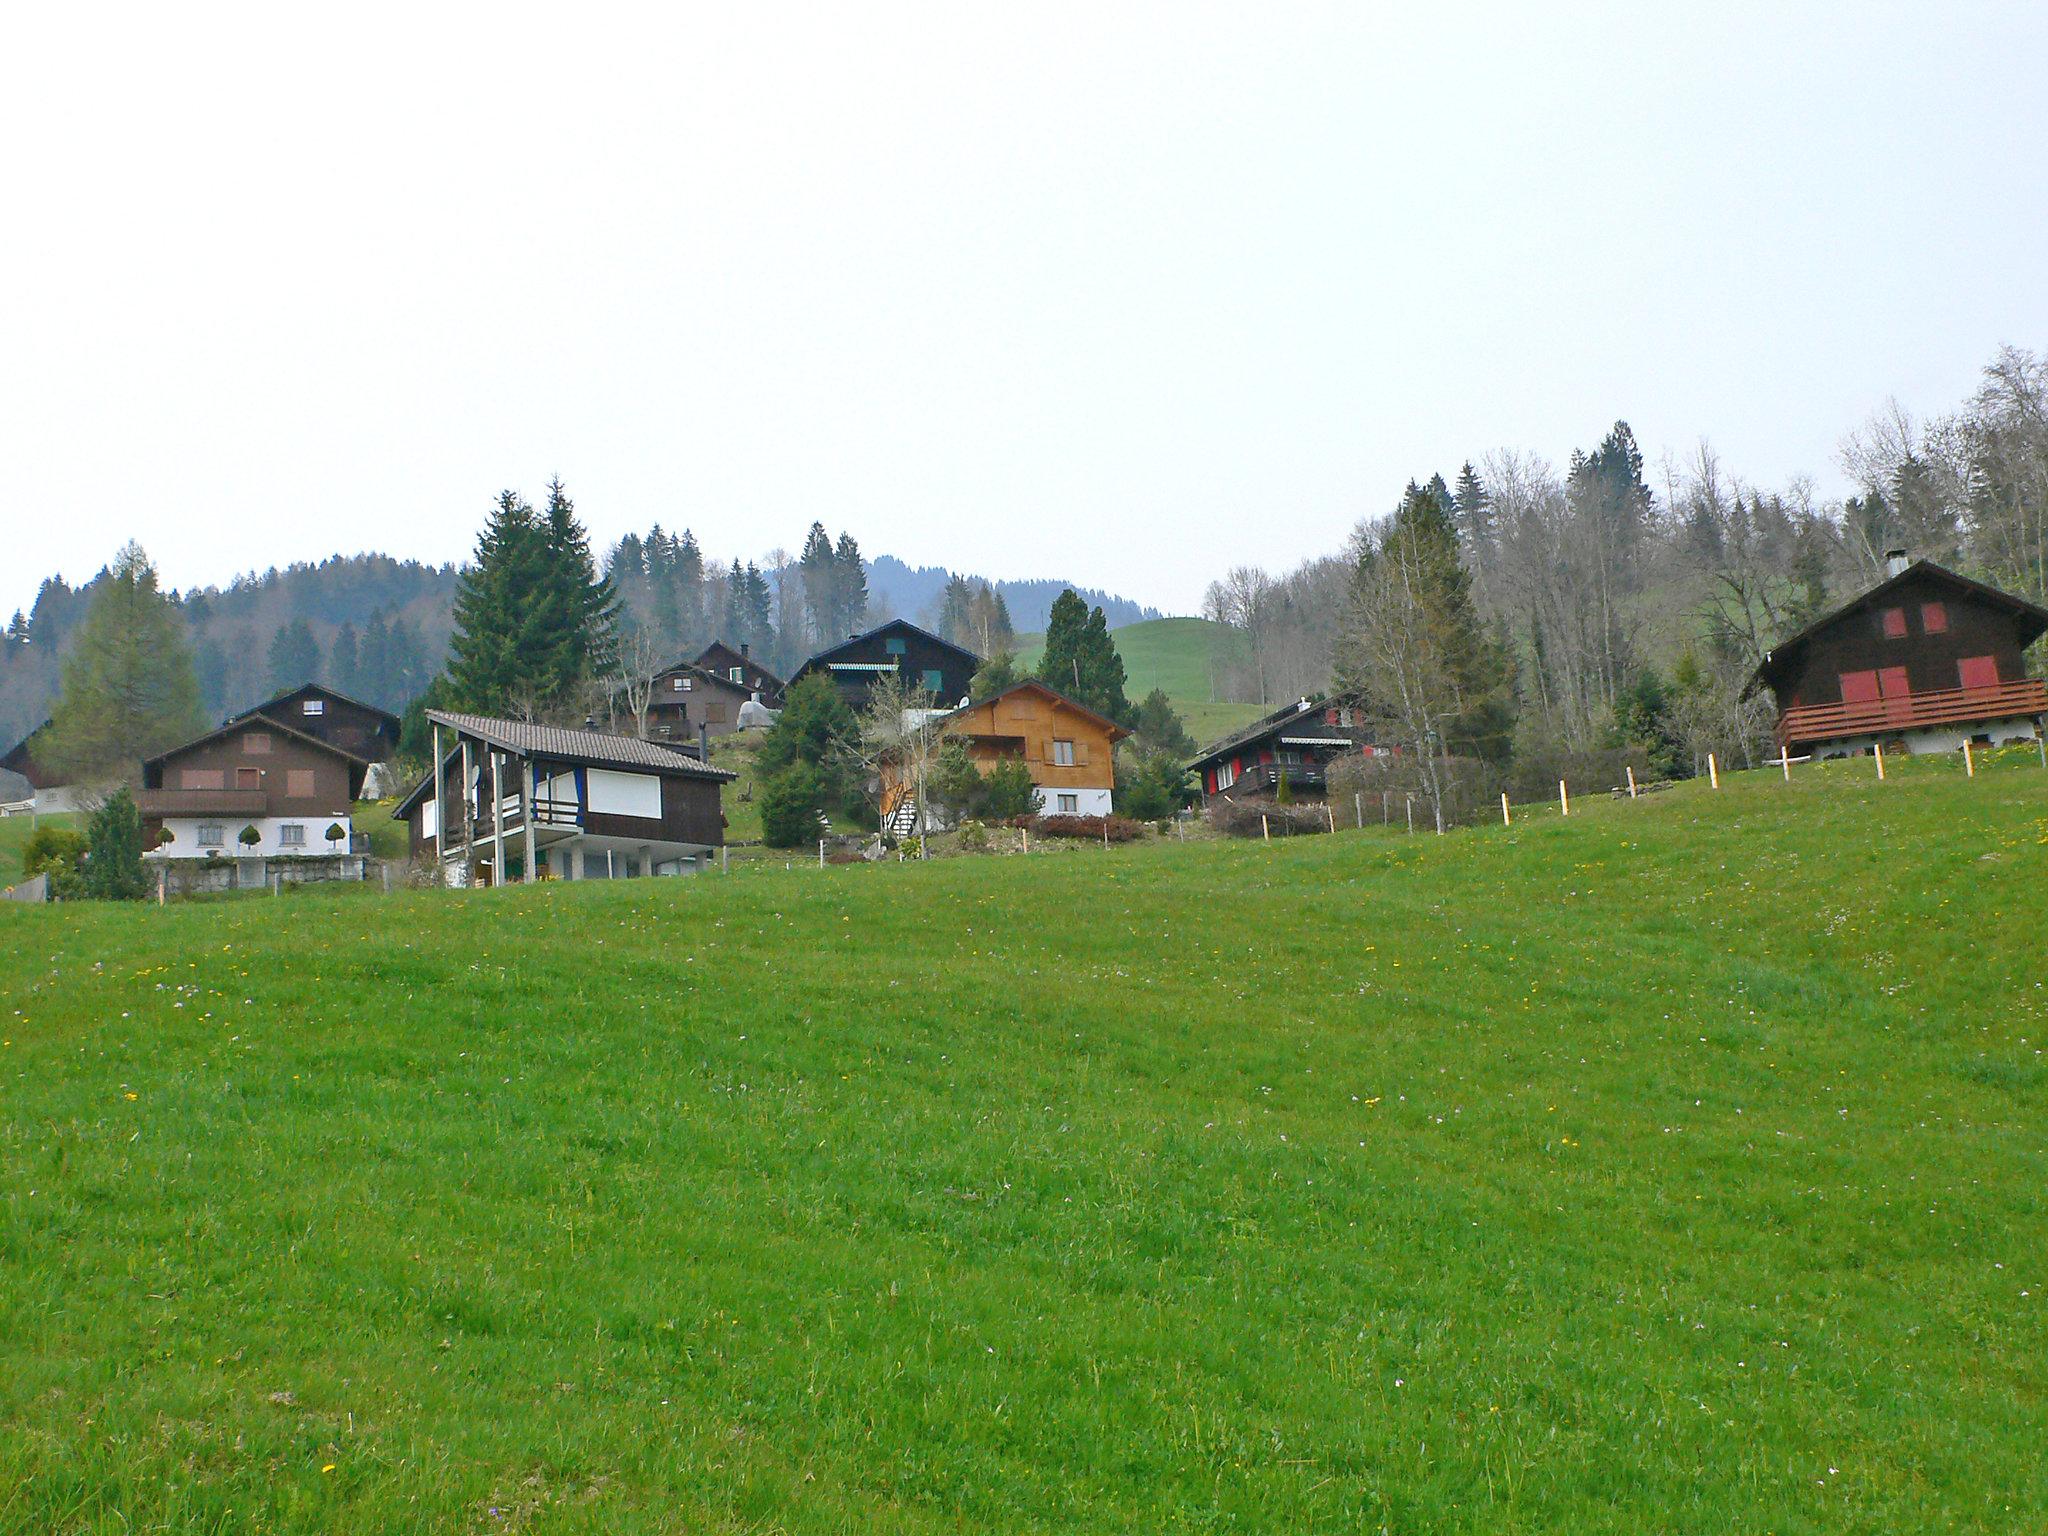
[[1260, 777], [1912, 712], [548, 811]]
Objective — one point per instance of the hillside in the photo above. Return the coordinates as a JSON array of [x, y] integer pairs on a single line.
[[1173, 654], [1678, 1167]]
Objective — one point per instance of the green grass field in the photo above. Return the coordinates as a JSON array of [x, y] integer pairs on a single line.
[[1174, 655], [1680, 1167]]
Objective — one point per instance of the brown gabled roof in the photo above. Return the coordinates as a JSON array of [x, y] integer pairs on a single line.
[[242, 723], [316, 687], [2033, 620], [1115, 731], [743, 659], [819, 658]]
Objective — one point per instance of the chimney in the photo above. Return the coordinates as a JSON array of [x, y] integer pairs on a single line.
[[1895, 562], [703, 743], [743, 650]]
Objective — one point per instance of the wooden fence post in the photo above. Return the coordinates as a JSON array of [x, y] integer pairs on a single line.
[[1878, 748], [1331, 813], [1969, 763], [1358, 806], [821, 853], [1265, 827], [1564, 801], [1713, 772], [1630, 767], [1411, 815], [1785, 761], [1504, 810]]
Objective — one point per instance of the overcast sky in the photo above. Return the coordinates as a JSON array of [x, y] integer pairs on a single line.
[[1115, 293]]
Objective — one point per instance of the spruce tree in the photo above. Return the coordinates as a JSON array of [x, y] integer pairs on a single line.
[[850, 584], [1081, 659], [294, 656], [113, 860], [820, 581], [582, 606], [342, 662], [129, 690], [493, 655]]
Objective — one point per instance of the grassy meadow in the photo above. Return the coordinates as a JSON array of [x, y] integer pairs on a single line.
[[1680, 1167], [15, 832], [1173, 655]]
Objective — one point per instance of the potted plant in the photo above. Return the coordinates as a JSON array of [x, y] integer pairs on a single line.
[[248, 837], [335, 833]]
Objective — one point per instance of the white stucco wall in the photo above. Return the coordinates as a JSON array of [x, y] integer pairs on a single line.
[[186, 845], [1946, 739], [1087, 802]]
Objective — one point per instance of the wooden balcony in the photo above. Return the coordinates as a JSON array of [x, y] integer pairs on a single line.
[[1912, 712], [1264, 779]]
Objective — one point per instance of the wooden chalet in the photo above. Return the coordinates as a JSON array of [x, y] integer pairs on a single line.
[[1296, 743], [21, 758], [938, 667], [329, 715], [519, 802], [1069, 749], [254, 776], [689, 701], [739, 668], [1922, 662]]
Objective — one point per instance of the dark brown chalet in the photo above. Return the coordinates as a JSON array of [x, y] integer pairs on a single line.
[[253, 790], [739, 668], [513, 801], [924, 661], [687, 698], [1297, 742], [21, 758], [313, 709], [1922, 662]]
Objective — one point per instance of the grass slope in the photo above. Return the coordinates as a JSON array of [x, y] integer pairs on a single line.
[[15, 832], [1678, 1167], [1175, 655]]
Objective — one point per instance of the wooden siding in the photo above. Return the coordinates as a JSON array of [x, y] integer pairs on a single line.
[[357, 729], [1856, 644], [854, 664]]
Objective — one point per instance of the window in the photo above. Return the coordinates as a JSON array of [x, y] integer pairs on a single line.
[[1063, 754], [1894, 623], [933, 681], [298, 783], [292, 835], [1226, 775], [893, 646], [679, 685], [313, 707], [736, 674], [210, 834], [248, 778], [1859, 687], [1069, 804], [203, 778], [1934, 618], [1978, 671], [256, 743]]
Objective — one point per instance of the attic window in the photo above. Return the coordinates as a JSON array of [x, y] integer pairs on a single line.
[[893, 646], [1934, 618], [256, 743], [737, 674], [1894, 620], [313, 707]]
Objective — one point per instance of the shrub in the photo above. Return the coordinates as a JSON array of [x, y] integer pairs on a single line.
[[113, 860], [1236, 818], [1118, 829], [335, 833], [793, 807], [1007, 790], [52, 851], [1156, 788], [248, 837]]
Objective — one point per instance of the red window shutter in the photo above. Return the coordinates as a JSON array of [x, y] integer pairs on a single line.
[[1210, 775], [1236, 766], [1894, 623], [1979, 671], [1859, 687], [1891, 682], [1934, 618], [1330, 716]]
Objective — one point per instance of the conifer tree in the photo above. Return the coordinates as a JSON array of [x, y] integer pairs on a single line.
[[129, 691], [294, 656], [342, 662], [1081, 659], [850, 584], [495, 655]]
